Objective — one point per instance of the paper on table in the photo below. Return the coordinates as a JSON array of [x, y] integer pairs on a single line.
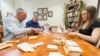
[[75, 49], [1, 44], [25, 47], [71, 43], [6, 45], [57, 41], [12, 41], [55, 54], [52, 47], [33, 37], [36, 44]]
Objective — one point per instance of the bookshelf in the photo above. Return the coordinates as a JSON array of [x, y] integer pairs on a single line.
[[73, 11]]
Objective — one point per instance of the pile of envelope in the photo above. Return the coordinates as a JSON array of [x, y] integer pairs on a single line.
[[26, 47], [72, 48]]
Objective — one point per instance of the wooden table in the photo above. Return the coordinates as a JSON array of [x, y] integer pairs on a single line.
[[88, 49]]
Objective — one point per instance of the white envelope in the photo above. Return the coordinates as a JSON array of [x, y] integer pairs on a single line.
[[33, 37], [11, 41], [71, 43], [75, 49], [55, 54], [36, 44], [25, 47], [5, 45], [52, 47]]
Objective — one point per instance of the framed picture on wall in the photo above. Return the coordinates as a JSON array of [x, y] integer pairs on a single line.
[[45, 17], [50, 13], [35, 13], [45, 10], [40, 10], [40, 16]]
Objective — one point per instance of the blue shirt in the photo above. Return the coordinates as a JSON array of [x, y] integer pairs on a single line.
[[33, 24]]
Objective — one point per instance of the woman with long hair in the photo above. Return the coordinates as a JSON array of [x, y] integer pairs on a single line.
[[88, 25]]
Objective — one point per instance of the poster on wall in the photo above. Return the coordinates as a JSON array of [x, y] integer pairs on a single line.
[[45, 10], [40, 17], [50, 14], [45, 17], [40, 10], [43, 13]]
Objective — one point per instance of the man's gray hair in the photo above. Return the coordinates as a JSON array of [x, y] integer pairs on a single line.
[[20, 10]]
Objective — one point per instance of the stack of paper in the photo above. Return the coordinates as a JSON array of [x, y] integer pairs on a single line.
[[52, 47], [75, 49], [58, 42], [5, 45], [12, 41], [70, 43], [33, 37], [72, 48], [36, 44], [25, 47], [55, 54]]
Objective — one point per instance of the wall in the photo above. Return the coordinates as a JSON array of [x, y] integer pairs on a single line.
[[0, 4], [53, 5], [92, 3], [7, 6], [18, 4]]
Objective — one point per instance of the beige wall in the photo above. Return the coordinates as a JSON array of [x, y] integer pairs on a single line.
[[7, 6], [57, 6]]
